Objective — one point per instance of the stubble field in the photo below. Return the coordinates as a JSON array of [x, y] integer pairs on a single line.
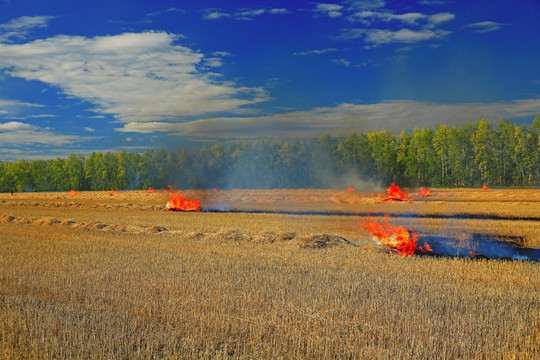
[[101, 275]]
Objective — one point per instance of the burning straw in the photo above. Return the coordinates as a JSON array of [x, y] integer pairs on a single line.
[[408, 243], [394, 193], [178, 203]]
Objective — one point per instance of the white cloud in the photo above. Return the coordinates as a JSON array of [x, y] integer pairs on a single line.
[[331, 10], [20, 27], [279, 11], [408, 18], [174, 9], [132, 76], [486, 26], [14, 133], [215, 15], [13, 107], [242, 14], [379, 36], [441, 17], [431, 2], [356, 5], [342, 62], [315, 52], [250, 13], [89, 129], [342, 119], [368, 17]]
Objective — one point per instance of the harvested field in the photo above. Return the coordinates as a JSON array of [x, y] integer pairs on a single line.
[[95, 275]]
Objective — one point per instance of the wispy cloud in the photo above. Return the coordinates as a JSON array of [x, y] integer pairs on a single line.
[[342, 62], [378, 37], [20, 27], [395, 115], [17, 134], [242, 14], [368, 17], [379, 23], [12, 108], [486, 26], [431, 2], [315, 52], [132, 76], [215, 15], [355, 5]]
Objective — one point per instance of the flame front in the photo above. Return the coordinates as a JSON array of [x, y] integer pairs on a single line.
[[150, 190], [73, 192], [397, 237], [485, 187], [394, 193], [179, 203], [350, 189]]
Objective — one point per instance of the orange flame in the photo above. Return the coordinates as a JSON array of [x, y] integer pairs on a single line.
[[73, 192], [350, 189], [423, 192], [113, 192], [150, 190], [394, 193], [397, 237], [179, 203], [485, 187]]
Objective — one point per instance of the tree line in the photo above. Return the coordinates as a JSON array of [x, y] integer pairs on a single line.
[[503, 154]]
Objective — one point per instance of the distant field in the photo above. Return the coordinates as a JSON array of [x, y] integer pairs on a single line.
[[101, 275]]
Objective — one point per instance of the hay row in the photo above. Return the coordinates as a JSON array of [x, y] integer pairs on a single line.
[[316, 241], [141, 207]]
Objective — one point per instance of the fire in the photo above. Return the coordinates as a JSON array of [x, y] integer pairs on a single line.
[[350, 189], [397, 237], [423, 192], [485, 187], [394, 193], [179, 203], [150, 190], [73, 192]]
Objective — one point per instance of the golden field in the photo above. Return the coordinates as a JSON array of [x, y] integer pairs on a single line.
[[101, 275]]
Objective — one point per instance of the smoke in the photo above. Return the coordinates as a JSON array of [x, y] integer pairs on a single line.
[[481, 246], [332, 179]]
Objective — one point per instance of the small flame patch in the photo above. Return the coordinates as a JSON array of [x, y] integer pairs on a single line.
[[423, 192], [394, 193]]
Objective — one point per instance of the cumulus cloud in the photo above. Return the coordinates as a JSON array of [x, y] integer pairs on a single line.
[[395, 115], [485, 26], [132, 76]]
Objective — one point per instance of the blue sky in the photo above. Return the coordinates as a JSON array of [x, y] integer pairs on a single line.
[[78, 77]]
